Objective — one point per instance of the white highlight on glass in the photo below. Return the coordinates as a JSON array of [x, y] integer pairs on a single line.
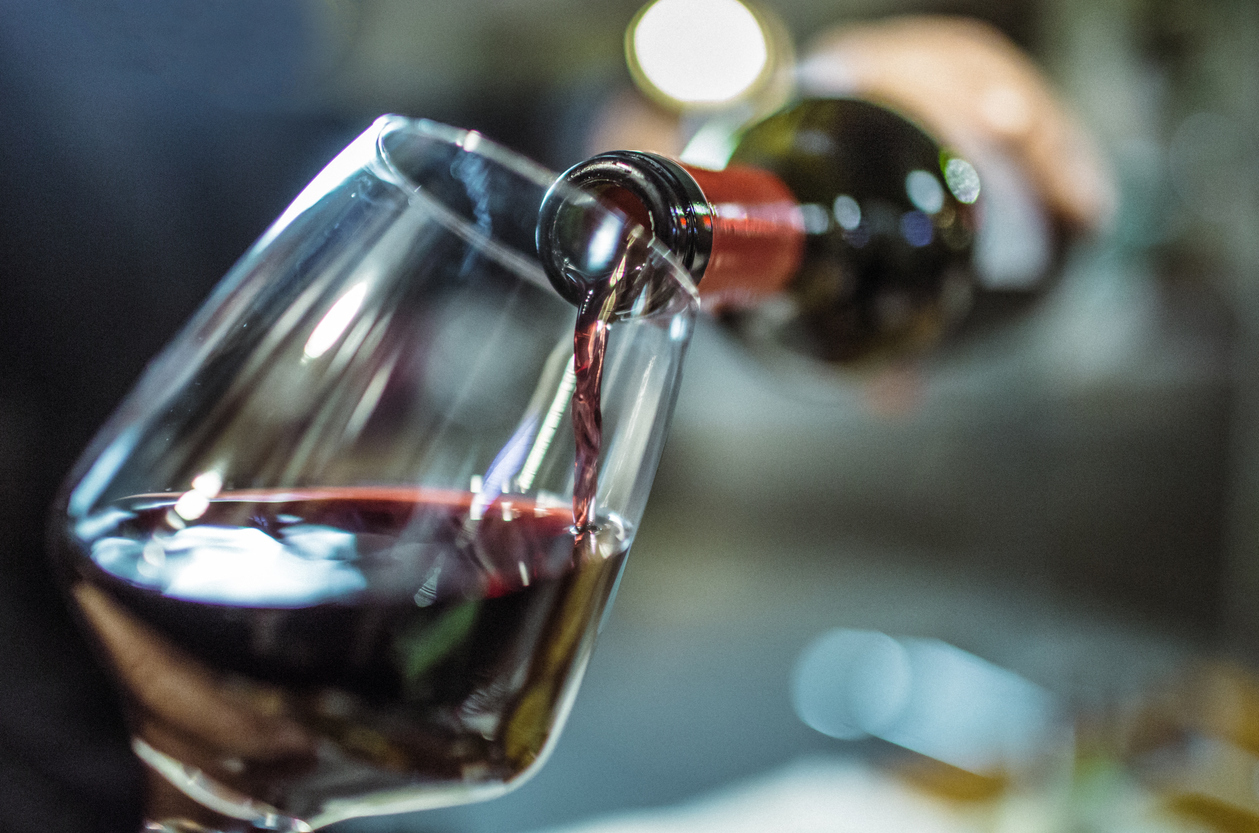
[[700, 51], [680, 328], [476, 510], [334, 174], [208, 483], [604, 242], [191, 505], [335, 321], [924, 191], [550, 423]]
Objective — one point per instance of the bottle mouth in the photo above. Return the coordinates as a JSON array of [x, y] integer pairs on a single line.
[[482, 190], [652, 192]]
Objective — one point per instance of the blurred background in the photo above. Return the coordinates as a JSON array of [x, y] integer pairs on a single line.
[[1069, 500]]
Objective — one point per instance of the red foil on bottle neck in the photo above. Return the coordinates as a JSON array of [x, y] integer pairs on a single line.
[[758, 235]]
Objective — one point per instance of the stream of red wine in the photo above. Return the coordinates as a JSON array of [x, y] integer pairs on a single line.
[[590, 341]]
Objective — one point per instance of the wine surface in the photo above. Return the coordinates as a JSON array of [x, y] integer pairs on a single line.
[[300, 647]]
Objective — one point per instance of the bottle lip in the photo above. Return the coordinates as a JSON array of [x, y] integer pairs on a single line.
[[678, 211]]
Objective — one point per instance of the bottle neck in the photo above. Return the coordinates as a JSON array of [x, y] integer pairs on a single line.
[[758, 235], [738, 231]]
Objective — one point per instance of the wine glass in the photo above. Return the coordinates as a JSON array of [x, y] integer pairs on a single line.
[[327, 545]]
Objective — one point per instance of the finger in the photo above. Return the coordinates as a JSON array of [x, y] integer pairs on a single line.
[[970, 86]]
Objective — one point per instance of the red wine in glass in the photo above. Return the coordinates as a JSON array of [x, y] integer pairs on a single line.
[[378, 635]]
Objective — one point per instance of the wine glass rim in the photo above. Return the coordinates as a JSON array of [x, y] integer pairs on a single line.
[[472, 141]]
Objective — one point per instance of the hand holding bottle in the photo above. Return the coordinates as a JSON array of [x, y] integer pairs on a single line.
[[975, 93], [975, 90]]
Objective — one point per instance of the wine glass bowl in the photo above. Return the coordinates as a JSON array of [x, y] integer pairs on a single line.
[[327, 544]]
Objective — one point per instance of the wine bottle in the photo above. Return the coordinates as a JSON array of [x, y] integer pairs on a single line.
[[838, 225]]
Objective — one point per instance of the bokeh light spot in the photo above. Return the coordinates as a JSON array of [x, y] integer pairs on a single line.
[[924, 191], [847, 212], [699, 51], [962, 179]]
